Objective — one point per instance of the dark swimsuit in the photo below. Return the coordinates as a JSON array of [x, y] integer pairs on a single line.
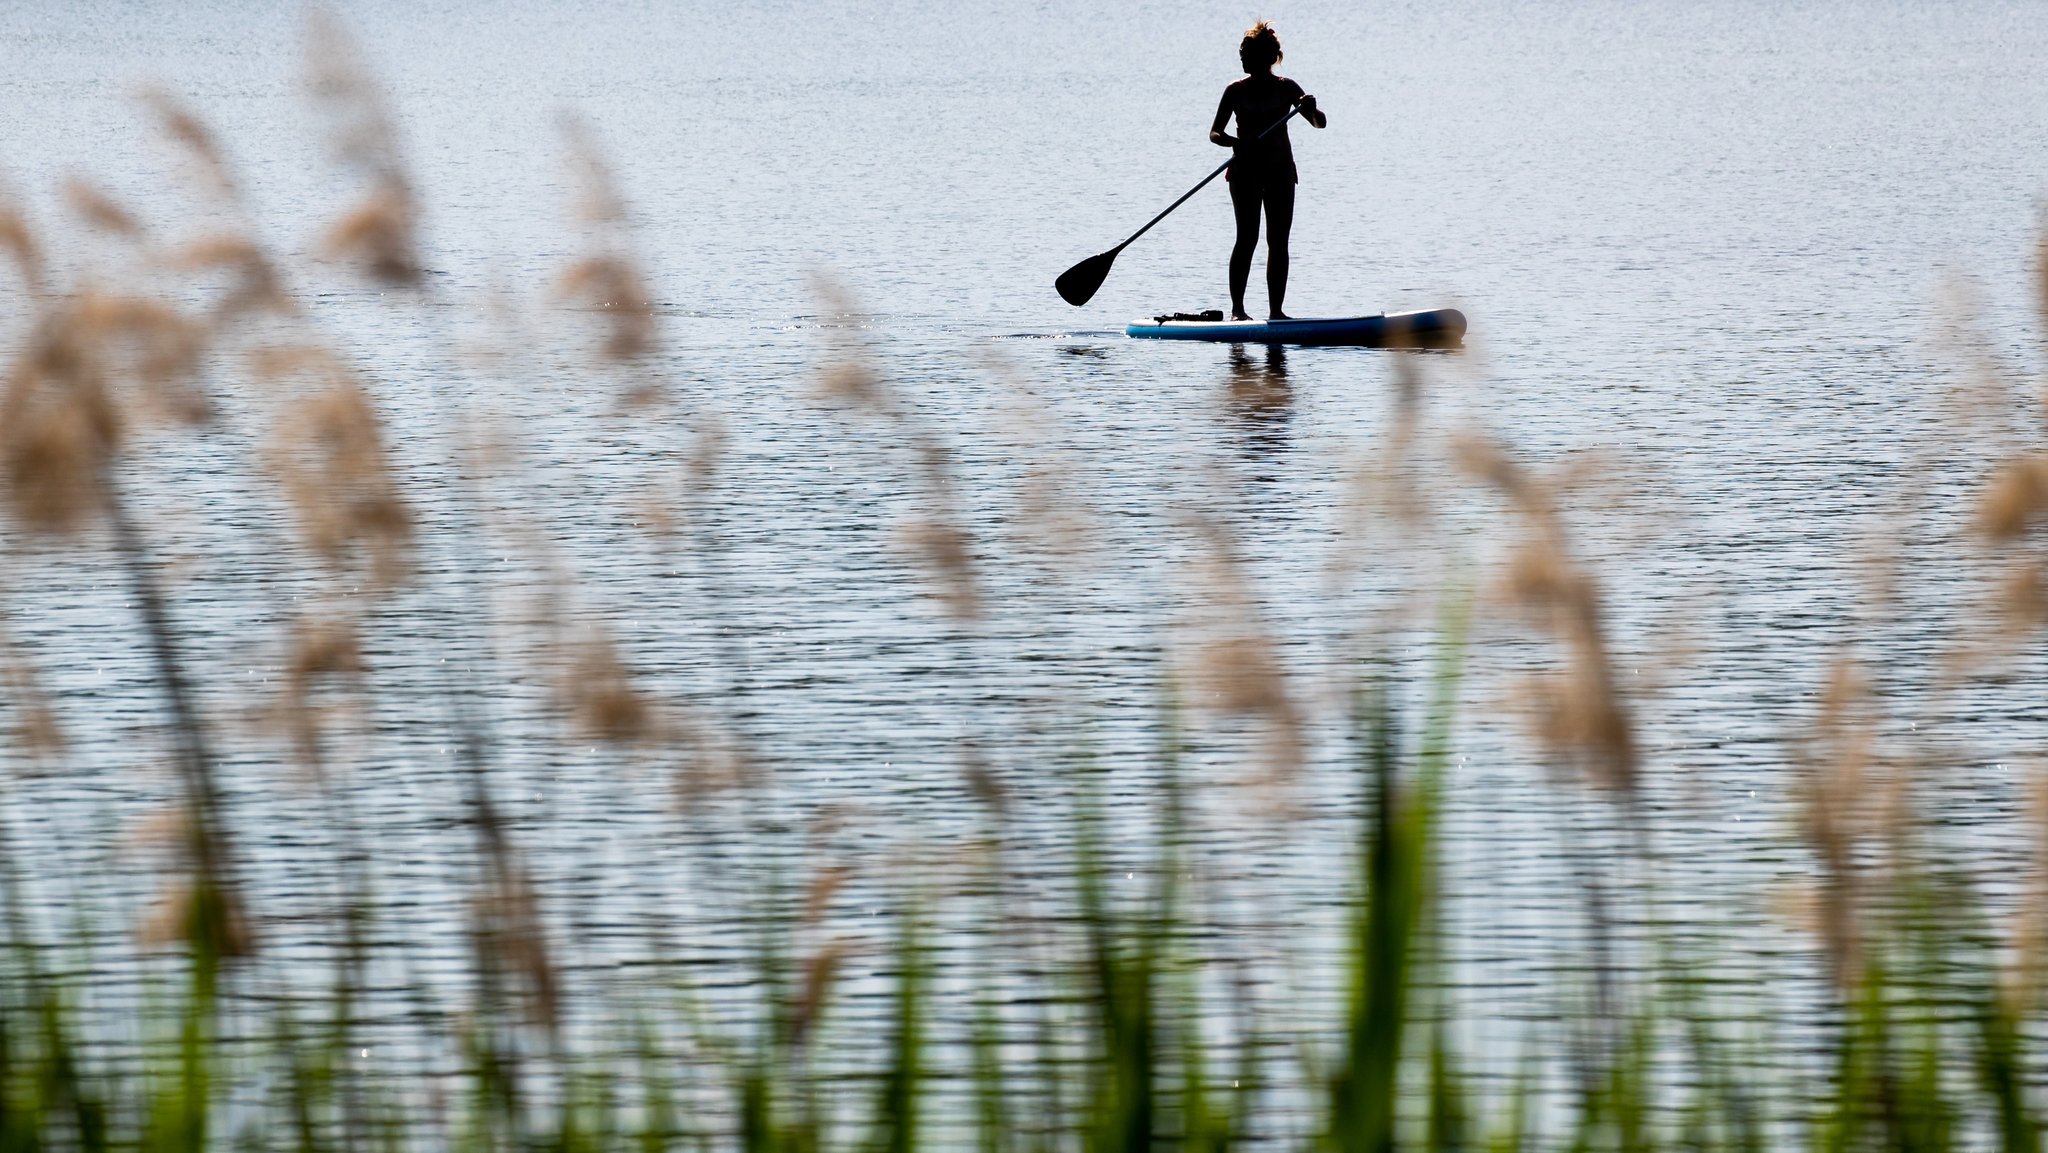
[[1270, 161]]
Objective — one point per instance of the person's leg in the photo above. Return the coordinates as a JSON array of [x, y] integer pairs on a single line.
[[1279, 220], [1244, 201]]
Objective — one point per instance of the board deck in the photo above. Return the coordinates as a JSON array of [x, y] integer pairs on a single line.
[[1427, 328]]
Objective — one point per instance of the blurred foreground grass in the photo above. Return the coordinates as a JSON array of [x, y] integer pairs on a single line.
[[1100, 1023]]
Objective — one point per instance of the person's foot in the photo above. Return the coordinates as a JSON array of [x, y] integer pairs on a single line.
[[1279, 316], [1240, 314]]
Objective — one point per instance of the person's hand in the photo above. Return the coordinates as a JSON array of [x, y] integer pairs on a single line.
[[1308, 106]]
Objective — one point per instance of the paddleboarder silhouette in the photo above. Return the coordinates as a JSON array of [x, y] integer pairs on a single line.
[[1262, 174]]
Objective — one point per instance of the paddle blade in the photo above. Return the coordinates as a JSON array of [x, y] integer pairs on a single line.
[[1079, 283]]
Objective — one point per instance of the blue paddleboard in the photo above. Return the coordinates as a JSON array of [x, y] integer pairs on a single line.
[[1427, 328]]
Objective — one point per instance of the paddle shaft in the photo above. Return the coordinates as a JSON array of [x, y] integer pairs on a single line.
[[1205, 182]]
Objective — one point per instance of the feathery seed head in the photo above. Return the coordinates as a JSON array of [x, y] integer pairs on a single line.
[[329, 451], [21, 247], [601, 696], [377, 236], [2014, 499], [257, 286], [611, 285], [191, 134], [98, 209], [58, 428]]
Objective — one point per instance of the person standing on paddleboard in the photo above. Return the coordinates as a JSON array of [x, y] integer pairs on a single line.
[[1262, 170]]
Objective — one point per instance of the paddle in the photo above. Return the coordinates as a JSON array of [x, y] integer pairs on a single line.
[[1077, 284]]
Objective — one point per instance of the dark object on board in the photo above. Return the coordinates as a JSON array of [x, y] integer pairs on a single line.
[[1212, 314], [1424, 328], [1077, 284]]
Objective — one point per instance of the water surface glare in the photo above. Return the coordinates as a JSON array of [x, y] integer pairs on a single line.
[[1713, 241]]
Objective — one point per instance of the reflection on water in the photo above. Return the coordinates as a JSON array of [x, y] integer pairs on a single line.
[[1260, 400]]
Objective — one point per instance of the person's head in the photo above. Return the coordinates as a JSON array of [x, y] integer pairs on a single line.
[[1260, 49]]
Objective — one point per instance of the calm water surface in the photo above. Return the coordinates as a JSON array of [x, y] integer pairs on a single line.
[[1713, 241]]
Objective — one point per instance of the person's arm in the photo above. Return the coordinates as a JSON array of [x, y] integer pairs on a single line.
[[1216, 133], [1309, 111]]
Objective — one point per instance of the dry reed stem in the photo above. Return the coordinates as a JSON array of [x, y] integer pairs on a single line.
[[86, 370], [1404, 501], [322, 650], [935, 537], [380, 233], [608, 278], [598, 200], [821, 972], [510, 943], [20, 243], [671, 504], [714, 761], [2027, 600], [707, 453], [1838, 817], [612, 285], [35, 732], [852, 382], [2009, 510], [1236, 667], [2008, 517], [1382, 489], [1053, 513], [94, 206], [2041, 281], [360, 127], [1981, 400], [214, 927], [2014, 500], [2027, 976], [849, 376], [945, 548], [328, 451], [982, 781], [56, 436], [61, 420], [592, 684], [257, 285], [175, 918], [190, 133], [377, 235], [824, 888], [153, 345], [1581, 716], [2012, 506], [600, 697], [2006, 511], [161, 828]]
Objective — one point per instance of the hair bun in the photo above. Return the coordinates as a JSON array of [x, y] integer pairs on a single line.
[[1261, 39]]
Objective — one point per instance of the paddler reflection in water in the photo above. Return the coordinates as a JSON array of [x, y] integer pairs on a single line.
[[1262, 172], [1260, 399]]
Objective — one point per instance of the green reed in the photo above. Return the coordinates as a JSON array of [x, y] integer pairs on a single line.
[[1084, 1016], [1129, 1068]]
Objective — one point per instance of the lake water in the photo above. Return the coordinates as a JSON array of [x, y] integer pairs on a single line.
[[1723, 245]]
